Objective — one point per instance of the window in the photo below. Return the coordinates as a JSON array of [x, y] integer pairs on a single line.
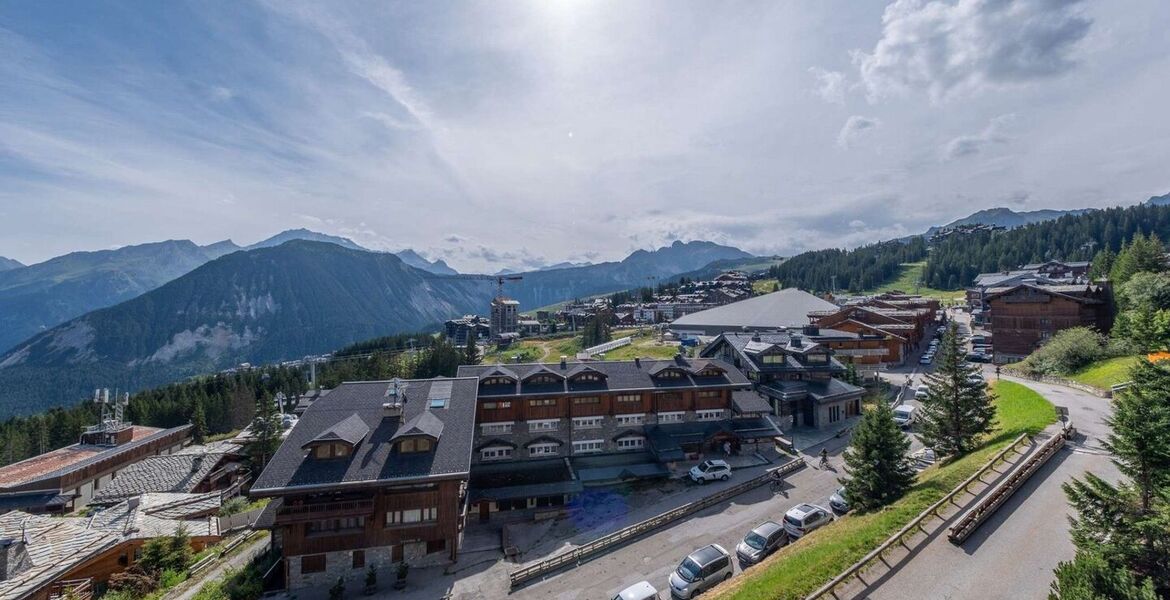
[[495, 428], [670, 417], [543, 450], [818, 359], [496, 405], [586, 377], [410, 445], [586, 422], [709, 393], [359, 559], [495, 453], [331, 450], [313, 563], [412, 515], [630, 419], [772, 359], [631, 443], [588, 446], [332, 526], [709, 415], [669, 374], [544, 425], [543, 379], [498, 381], [629, 398], [834, 414], [710, 373], [543, 402], [587, 400]]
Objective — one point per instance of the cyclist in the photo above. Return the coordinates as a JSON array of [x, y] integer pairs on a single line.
[[824, 458]]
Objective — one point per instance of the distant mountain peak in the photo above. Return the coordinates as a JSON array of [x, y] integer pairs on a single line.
[[306, 234], [416, 260], [7, 264], [1163, 200], [1003, 216]]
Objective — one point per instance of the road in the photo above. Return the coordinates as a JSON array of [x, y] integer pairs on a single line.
[[1013, 554]]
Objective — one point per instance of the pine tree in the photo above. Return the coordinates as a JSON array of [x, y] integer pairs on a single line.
[[1090, 577], [877, 461], [1128, 524], [266, 428], [198, 423], [958, 409], [471, 352]]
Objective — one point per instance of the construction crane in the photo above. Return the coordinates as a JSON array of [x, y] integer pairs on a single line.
[[499, 279]]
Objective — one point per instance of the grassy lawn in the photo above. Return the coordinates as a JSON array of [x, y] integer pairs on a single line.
[[908, 281], [800, 568], [645, 345], [1105, 373], [764, 286]]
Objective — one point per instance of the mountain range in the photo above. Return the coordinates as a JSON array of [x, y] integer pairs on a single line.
[[281, 302], [1008, 218], [37, 297]]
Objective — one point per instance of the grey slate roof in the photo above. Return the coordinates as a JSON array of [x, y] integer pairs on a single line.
[[374, 460], [749, 402], [350, 430], [617, 376], [425, 423], [785, 308], [165, 473]]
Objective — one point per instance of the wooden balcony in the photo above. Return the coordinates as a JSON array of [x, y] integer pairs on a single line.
[[324, 510]]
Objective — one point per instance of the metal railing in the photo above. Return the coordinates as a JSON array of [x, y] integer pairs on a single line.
[[607, 346], [969, 522], [577, 555], [325, 507], [915, 524]]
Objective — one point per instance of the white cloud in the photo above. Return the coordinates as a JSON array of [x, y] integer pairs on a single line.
[[944, 46], [856, 127], [830, 85], [969, 145]]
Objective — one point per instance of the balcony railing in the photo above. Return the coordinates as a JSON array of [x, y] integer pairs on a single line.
[[320, 510]]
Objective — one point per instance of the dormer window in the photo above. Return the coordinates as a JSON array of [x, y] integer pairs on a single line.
[[413, 445], [543, 379], [338, 450], [710, 372], [669, 374], [593, 377], [773, 359], [818, 359], [498, 381]]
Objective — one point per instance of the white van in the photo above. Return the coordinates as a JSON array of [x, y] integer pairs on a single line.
[[639, 591], [904, 415]]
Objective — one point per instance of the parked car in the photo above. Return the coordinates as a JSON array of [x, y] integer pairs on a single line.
[[978, 340], [710, 470], [922, 392], [701, 570], [837, 501], [804, 518], [639, 591], [761, 541], [926, 359], [978, 357], [904, 415]]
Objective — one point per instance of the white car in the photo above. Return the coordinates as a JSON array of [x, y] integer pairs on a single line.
[[710, 470], [922, 392], [639, 591], [804, 518], [904, 415]]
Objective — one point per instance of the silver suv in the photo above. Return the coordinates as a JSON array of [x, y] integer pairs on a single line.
[[804, 518], [710, 470], [760, 542], [702, 570]]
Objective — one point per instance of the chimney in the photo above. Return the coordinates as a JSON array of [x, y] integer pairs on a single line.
[[756, 337], [395, 398], [133, 501], [637, 362], [564, 361], [196, 463], [811, 330], [797, 342]]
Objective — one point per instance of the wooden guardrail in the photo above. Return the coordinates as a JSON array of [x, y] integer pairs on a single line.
[[915, 524], [584, 552], [969, 522]]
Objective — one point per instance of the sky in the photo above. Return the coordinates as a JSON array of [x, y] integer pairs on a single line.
[[514, 134]]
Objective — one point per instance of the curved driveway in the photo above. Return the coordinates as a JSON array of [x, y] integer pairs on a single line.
[[1013, 554]]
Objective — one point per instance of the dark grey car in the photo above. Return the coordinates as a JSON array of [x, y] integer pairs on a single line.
[[760, 542]]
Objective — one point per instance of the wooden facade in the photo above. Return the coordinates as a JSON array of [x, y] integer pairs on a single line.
[[511, 409], [336, 521], [1024, 317]]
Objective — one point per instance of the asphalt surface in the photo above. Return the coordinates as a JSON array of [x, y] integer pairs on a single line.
[[1013, 554]]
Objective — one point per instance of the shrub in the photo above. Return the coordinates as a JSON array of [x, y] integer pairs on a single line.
[[133, 583], [234, 506], [1066, 352]]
